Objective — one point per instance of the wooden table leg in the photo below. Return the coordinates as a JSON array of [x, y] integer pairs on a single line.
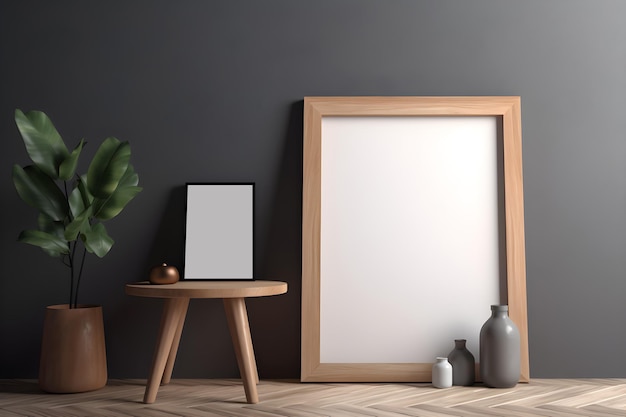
[[169, 366], [246, 325], [242, 342], [173, 309]]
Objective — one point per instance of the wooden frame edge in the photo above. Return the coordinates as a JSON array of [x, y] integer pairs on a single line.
[[315, 108]]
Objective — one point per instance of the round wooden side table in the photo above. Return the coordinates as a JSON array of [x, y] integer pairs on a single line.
[[176, 301]]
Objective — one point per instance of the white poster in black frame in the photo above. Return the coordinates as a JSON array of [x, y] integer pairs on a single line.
[[219, 231]]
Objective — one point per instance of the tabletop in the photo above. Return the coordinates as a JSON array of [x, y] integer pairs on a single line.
[[207, 289]]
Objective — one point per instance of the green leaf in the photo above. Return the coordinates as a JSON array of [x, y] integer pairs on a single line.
[[80, 198], [116, 202], [52, 245], [40, 191], [106, 209], [78, 225], [84, 190], [130, 177], [77, 204], [68, 166], [43, 143], [97, 240], [108, 167], [46, 224]]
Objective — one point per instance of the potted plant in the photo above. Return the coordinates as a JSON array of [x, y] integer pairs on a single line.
[[71, 210]]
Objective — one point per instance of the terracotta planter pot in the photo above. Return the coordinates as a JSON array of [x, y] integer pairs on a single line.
[[73, 354]]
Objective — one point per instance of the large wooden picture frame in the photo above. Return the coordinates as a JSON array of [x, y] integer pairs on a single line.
[[350, 147]]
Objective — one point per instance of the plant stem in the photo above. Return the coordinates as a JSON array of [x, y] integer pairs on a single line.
[[80, 274], [71, 262], [71, 254]]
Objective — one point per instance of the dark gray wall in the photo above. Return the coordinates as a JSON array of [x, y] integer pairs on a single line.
[[212, 91]]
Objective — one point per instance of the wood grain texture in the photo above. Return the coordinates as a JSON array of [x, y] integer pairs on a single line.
[[508, 108], [239, 326], [311, 210], [224, 397], [177, 297], [171, 358], [174, 311], [514, 219], [207, 289]]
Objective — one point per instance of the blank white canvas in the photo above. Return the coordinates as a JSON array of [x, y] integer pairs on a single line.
[[409, 236], [219, 231]]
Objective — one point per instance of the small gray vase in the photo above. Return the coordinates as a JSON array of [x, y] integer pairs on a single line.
[[463, 364], [499, 350]]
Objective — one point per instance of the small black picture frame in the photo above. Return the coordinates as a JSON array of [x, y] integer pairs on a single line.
[[219, 231]]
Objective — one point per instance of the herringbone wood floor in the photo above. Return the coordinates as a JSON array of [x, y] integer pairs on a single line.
[[221, 397]]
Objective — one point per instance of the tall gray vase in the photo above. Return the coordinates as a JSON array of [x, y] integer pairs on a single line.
[[463, 364], [499, 350]]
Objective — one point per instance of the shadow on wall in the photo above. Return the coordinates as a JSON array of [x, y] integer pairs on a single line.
[[132, 328], [169, 242], [274, 321]]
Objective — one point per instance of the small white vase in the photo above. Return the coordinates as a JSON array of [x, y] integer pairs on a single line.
[[442, 373]]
